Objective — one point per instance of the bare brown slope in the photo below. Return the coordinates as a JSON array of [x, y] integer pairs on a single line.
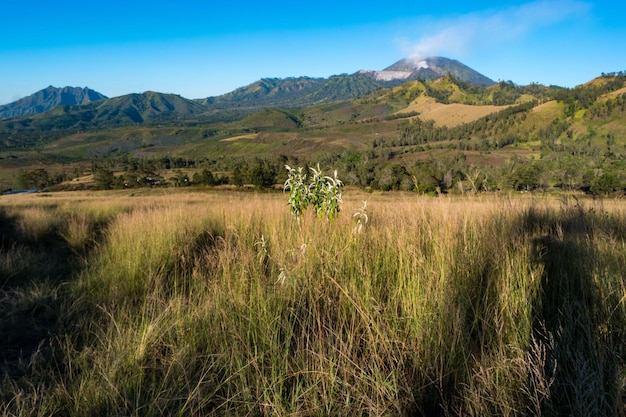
[[452, 114]]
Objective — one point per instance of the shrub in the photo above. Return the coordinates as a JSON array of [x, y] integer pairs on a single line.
[[323, 192]]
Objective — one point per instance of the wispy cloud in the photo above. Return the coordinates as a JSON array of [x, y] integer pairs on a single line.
[[474, 31]]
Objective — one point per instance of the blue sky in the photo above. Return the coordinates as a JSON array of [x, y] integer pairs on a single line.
[[200, 48]]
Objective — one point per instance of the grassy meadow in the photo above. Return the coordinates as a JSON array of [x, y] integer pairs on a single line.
[[221, 304]]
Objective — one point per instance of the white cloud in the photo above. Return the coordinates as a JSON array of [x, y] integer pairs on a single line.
[[463, 34]]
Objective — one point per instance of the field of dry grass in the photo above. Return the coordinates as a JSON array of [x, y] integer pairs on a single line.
[[450, 114], [220, 303]]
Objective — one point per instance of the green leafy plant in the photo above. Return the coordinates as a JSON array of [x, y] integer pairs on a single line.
[[298, 191], [323, 192]]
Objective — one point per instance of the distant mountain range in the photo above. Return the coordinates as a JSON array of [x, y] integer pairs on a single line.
[[267, 92], [49, 98], [306, 91]]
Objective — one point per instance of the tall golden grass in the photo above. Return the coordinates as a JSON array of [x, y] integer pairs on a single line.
[[222, 304]]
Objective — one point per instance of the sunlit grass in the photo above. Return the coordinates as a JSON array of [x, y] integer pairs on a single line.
[[223, 304]]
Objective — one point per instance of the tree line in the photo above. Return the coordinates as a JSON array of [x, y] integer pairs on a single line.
[[450, 172]]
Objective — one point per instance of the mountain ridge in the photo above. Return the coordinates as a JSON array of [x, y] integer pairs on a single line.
[[271, 92], [48, 98], [275, 92]]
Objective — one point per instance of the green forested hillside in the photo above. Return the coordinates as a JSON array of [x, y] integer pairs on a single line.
[[267, 91], [443, 135], [296, 92]]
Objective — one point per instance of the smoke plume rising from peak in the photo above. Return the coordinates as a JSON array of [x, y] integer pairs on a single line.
[[464, 34]]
